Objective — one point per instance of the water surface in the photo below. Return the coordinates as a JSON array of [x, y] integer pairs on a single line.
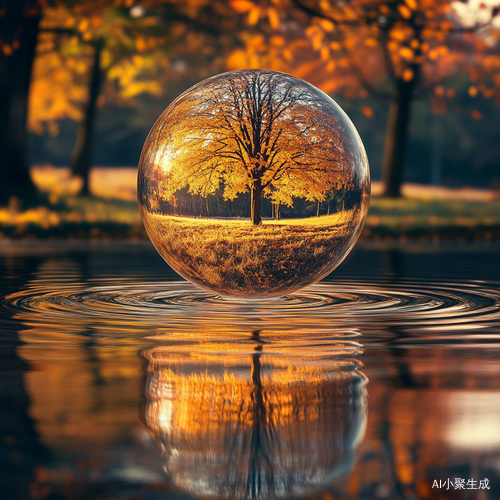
[[119, 380]]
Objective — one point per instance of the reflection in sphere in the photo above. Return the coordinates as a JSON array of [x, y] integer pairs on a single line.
[[230, 427], [253, 183]]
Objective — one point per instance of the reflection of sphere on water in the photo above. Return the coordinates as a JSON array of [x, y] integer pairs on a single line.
[[253, 183], [251, 428]]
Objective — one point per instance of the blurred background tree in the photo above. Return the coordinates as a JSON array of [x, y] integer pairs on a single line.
[[130, 58], [398, 50], [19, 24]]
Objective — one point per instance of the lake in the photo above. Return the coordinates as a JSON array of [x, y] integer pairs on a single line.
[[119, 380]]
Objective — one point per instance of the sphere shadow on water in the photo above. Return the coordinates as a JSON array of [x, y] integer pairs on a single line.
[[253, 184]]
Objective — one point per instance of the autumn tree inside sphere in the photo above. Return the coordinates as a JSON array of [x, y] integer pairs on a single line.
[[253, 183]]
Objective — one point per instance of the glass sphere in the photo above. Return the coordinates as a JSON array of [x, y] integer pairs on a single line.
[[253, 183]]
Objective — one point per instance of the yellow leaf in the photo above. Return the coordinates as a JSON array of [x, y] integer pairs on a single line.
[[412, 4], [83, 26]]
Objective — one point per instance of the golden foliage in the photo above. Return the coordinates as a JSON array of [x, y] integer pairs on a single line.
[[377, 38], [253, 131]]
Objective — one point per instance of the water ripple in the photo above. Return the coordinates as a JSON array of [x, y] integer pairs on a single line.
[[342, 308]]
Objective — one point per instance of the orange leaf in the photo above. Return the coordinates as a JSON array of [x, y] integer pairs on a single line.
[[414, 43], [368, 112], [473, 91], [404, 11], [408, 75], [273, 17], [439, 91], [237, 60], [476, 114], [406, 52], [241, 6], [398, 34], [253, 16]]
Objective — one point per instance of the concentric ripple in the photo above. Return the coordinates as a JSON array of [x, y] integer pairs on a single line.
[[337, 308]]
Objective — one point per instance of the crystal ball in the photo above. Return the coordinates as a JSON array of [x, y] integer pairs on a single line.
[[253, 183]]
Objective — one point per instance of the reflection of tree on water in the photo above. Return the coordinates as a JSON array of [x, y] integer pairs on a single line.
[[275, 432], [20, 449]]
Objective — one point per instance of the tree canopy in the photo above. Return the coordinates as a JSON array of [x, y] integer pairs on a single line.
[[258, 131], [385, 48]]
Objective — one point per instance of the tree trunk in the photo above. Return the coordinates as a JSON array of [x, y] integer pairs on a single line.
[[82, 154], [317, 210], [19, 26], [396, 138], [256, 195]]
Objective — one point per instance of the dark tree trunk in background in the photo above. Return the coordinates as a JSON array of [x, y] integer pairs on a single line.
[[82, 154], [256, 193], [396, 138], [19, 26]]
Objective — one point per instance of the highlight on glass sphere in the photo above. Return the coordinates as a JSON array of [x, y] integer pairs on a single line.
[[253, 183]]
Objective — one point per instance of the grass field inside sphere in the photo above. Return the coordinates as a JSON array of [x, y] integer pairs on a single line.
[[253, 183]]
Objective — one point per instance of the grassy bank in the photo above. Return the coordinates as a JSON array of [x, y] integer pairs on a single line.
[[403, 219], [425, 214]]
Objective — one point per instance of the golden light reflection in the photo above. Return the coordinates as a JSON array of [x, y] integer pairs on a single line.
[[248, 425]]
